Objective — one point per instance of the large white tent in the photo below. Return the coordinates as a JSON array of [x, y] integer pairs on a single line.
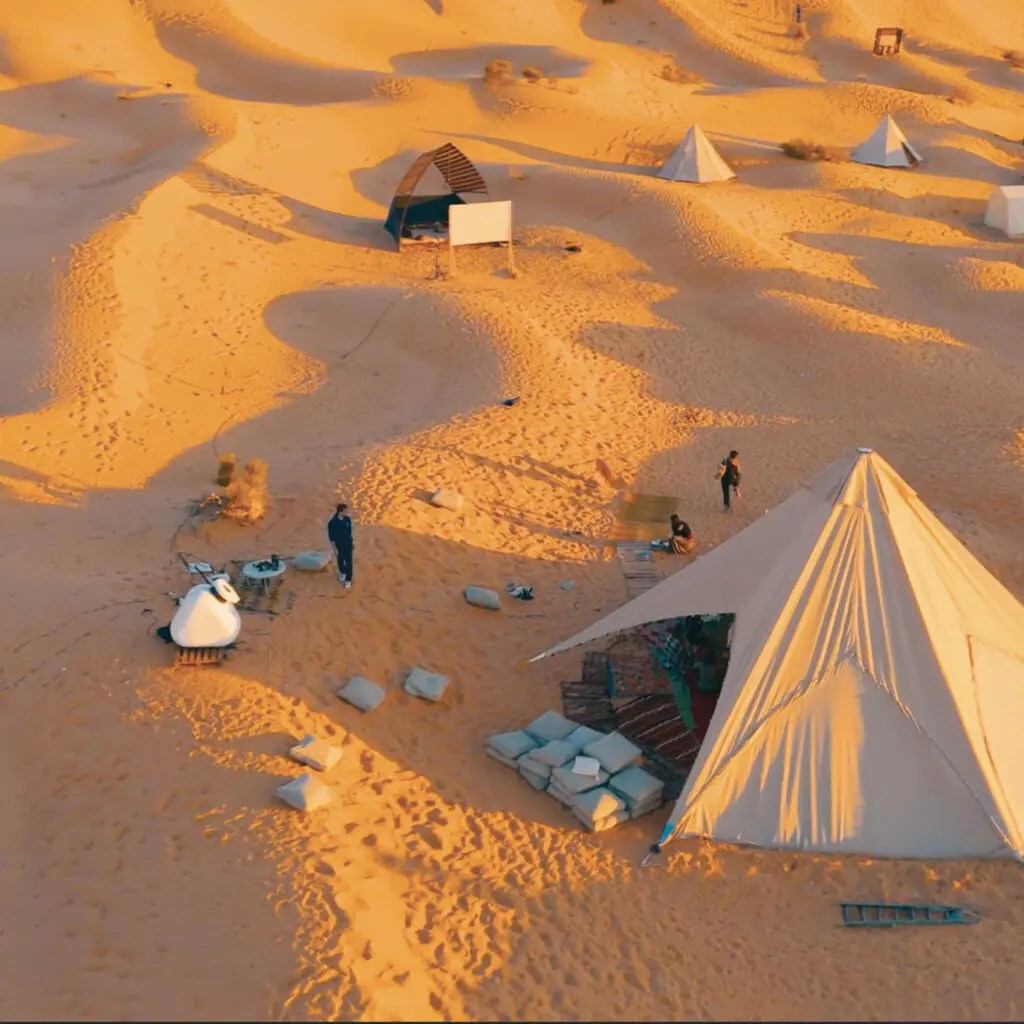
[[875, 690], [695, 159], [1005, 210], [886, 146]]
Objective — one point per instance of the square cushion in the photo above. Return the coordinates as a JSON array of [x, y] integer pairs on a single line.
[[428, 685], [512, 744], [499, 756], [597, 803], [614, 752], [311, 561], [527, 763], [550, 726], [581, 736], [318, 754], [569, 781], [636, 786], [450, 500], [481, 597], [363, 694], [603, 824], [305, 793], [538, 782], [555, 753]]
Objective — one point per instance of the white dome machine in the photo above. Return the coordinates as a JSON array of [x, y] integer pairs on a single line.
[[207, 616]]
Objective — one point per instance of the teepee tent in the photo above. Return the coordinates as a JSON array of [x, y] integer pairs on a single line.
[[1005, 210], [695, 159], [875, 687], [886, 146]]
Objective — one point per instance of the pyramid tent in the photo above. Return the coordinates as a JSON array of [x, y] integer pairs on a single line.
[[1005, 210], [886, 146], [875, 687], [695, 159]]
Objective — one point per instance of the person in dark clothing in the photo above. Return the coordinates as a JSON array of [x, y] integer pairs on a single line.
[[729, 475], [682, 539], [339, 531]]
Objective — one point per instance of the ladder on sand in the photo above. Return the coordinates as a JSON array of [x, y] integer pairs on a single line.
[[890, 915]]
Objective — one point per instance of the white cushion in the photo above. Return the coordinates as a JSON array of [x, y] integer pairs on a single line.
[[451, 500], [537, 781], [550, 726], [614, 752], [428, 685], [555, 753], [311, 561], [512, 744], [318, 754], [363, 694], [581, 736], [305, 793], [573, 783], [597, 803], [527, 763], [636, 786], [481, 597], [499, 756]]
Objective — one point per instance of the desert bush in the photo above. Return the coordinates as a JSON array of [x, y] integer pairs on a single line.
[[960, 95], [532, 74], [246, 496], [805, 149], [227, 469], [1015, 59], [393, 87], [680, 76], [497, 72]]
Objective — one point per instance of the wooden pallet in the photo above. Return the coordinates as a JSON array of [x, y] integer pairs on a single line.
[[197, 657], [639, 569]]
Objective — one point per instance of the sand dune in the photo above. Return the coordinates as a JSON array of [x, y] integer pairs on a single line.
[[192, 197]]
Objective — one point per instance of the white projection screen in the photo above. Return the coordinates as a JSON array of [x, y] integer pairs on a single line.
[[477, 223]]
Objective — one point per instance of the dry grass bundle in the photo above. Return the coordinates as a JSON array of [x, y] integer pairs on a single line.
[[532, 74], [961, 96], [227, 470], [245, 496], [393, 87], [680, 76], [805, 149], [1015, 59], [497, 72]]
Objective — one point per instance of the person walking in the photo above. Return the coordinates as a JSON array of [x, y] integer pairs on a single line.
[[729, 475], [339, 531]]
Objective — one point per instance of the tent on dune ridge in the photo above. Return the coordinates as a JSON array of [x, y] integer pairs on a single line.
[[411, 215], [696, 159], [886, 146], [875, 683], [1005, 210]]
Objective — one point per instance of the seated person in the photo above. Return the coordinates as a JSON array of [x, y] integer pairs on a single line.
[[682, 540]]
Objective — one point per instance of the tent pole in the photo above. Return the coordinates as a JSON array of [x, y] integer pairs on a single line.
[[451, 252]]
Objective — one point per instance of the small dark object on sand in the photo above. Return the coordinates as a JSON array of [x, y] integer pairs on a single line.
[[510, 401], [573, 247]]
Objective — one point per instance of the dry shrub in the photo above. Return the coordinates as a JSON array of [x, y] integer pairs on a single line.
[[393, 87], [497, 72], [227, 470], [532, 74], [247, 495], [680, 76], [805, 149], [960, 96], [1015, 59]]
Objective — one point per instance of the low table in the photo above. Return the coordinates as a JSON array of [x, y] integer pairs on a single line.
[[252, 571]]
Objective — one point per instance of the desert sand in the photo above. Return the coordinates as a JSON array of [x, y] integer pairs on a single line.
[[191, 205]]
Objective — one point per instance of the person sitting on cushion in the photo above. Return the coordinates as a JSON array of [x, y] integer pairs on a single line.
[[682, 539]]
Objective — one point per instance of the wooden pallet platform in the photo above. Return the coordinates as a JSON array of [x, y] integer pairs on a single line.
[[197, 657]]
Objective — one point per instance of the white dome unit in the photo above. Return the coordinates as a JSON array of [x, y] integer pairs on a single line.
[[207, 616]]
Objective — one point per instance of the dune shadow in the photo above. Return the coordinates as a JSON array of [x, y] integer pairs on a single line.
[[104, 157], [990, 71], [468, 63], [242, 65]]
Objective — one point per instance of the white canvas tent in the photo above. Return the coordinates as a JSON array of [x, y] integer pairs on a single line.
[[886, 146], [1005, 210], [695, 159], [875, 690]]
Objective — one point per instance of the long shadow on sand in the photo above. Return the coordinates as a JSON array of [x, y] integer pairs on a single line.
[[468, 63], [107, 156]]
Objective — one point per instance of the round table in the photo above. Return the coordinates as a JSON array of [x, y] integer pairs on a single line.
[[251, 571]]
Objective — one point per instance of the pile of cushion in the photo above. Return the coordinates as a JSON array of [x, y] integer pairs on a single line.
[[597, 775]]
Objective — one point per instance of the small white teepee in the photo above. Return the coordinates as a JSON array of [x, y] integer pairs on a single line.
[[695, 159], [1005, 210], [887, 146]]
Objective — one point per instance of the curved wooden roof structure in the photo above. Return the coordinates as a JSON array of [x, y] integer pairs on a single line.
[[458, 173]]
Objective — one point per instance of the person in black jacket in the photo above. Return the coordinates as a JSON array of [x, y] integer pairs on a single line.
[[339, 531], [729, 475]]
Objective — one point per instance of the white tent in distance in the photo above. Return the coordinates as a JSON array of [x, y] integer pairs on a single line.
[[1005, 210], [695, 159], [875, 685], [886, 146]]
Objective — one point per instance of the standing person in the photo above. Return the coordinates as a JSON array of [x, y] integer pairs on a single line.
[[339, 531], [729, 475]]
